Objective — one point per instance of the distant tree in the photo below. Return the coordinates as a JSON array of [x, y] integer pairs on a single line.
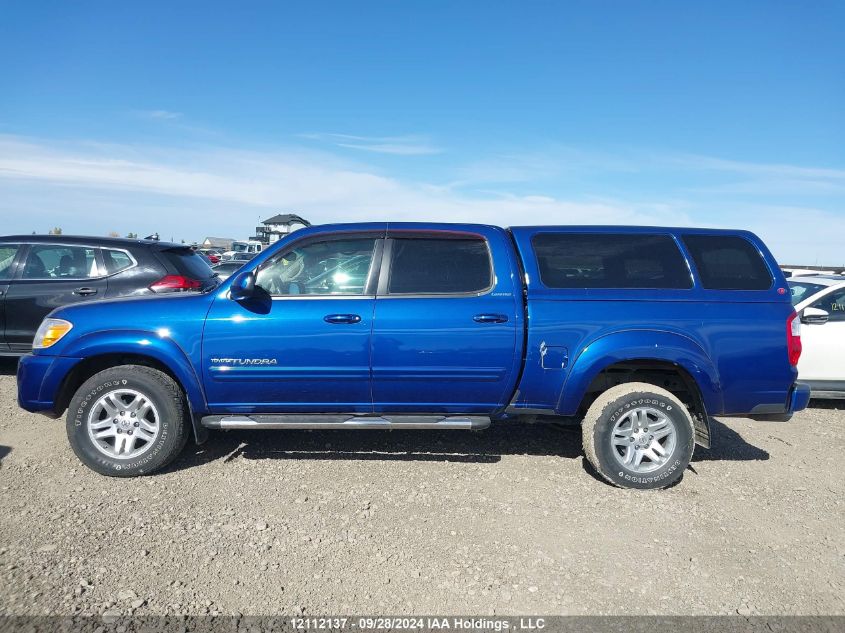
[[132, 236], [56, 230], [114, 234]]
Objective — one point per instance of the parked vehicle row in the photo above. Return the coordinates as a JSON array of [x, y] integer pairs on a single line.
[[41, 273], [225, 269], [242, 250], [642, 333]]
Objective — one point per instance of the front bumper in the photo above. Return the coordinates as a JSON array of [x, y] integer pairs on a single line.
[[39, 380]]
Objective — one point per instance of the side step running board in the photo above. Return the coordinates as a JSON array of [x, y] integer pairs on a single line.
[[344, 421]]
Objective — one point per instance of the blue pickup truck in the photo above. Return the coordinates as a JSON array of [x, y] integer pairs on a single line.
[[638, 333]]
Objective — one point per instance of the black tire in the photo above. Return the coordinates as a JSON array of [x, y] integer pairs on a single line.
[[158, 388], [613, 407]]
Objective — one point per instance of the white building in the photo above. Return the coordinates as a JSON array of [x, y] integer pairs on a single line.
[[279, 226]]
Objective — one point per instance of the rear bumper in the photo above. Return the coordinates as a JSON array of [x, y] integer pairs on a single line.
[[798, 399], [39, 379]]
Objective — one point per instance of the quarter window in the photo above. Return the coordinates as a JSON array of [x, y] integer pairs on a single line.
[[116, 261], [728, 262], [336, 267], [7, 258], [60, 262], [610, 260], [439, 266]]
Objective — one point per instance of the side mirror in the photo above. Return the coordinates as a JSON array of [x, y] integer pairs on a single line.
[[814, 316], [243, 286]]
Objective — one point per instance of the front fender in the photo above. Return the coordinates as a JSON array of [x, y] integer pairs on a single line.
[[630, 345], [143, 343]]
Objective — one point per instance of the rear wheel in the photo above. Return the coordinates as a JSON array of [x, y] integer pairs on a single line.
[[127, 421], [637, 435]]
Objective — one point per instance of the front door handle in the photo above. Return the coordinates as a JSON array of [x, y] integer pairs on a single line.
[[490, 318], [85, 291], [342, 318]]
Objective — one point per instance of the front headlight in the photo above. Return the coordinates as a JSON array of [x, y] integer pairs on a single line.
[[50, 332]]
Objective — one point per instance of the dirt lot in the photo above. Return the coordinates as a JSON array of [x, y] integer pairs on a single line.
[[507, 520]]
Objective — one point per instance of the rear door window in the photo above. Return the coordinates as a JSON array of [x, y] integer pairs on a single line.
[[7, 258], [610, 260], [728, 262], [57, 261], [439, 266]]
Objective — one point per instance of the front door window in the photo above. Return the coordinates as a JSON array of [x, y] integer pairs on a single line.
[[337, 267]]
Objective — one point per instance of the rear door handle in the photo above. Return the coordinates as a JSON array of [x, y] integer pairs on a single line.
[[342, 318], [490, 318], [85, 291]]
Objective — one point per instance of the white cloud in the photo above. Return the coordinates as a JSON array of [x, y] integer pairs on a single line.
[[551, 162], [774, 170], [162, 115], [798, 235], [211, 190], [317, 185], [696, 174], [210, 173], [397, 145]]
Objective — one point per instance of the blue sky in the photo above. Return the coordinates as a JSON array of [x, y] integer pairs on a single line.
[[200, 118]]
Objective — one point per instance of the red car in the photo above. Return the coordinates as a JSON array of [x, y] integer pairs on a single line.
[[213, 257]]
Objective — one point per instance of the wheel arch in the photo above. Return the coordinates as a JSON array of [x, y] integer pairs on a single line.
[[111, 349], [664, 359]]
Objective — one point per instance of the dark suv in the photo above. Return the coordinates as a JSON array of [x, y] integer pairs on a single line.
[[41, 272]]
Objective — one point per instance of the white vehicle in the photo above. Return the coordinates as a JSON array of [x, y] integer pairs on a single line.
[[249, 247], [820, 300]]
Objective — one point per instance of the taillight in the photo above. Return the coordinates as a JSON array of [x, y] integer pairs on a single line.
[[175, 283], [793, 338]]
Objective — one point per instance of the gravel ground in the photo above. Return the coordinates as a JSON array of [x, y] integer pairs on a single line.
[[504, 521]]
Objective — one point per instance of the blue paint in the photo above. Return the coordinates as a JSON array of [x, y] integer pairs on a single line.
[[431, 354]]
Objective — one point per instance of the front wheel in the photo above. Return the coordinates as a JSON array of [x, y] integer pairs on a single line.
[[127, 421], [640, 436]]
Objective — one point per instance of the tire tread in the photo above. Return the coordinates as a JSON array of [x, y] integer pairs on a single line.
[[175, 393], [597, 410]]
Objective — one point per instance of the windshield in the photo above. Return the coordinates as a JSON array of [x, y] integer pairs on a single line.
[[240, 247], [803, 289]]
